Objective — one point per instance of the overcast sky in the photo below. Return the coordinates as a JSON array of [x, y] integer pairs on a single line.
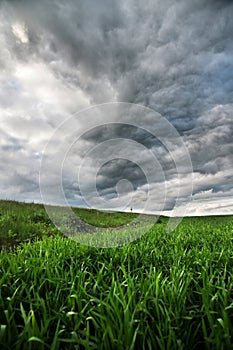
[[170, 62]]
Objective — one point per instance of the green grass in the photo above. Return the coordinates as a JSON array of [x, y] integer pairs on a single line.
[[162, 291], [21, 221], [104, 218]]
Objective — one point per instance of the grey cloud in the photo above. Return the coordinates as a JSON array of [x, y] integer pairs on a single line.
[[112, 172], [115, 170], [175, 57], [184, 47]]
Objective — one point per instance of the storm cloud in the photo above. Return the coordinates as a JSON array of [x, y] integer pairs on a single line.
[[174, 57]]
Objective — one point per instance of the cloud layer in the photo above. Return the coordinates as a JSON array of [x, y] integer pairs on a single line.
[[175, 57]]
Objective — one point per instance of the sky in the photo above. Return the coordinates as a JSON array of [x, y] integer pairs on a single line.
[[118, 104]]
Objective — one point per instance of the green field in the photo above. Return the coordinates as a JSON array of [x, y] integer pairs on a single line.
[[162, 291]]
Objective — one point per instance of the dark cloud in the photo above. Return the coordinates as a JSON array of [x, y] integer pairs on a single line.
[[117, 169], [119, 130]]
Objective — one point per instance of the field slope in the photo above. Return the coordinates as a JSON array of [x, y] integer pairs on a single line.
[[162, 291]]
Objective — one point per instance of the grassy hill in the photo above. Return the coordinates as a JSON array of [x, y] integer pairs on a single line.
[[162, 291], [20, 222]]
